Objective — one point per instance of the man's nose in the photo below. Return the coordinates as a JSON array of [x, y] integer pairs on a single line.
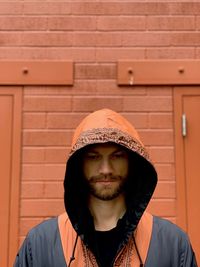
[[105, 167]]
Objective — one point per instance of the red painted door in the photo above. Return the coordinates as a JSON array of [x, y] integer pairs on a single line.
[[10, 129], [187, 105], [191, 109]]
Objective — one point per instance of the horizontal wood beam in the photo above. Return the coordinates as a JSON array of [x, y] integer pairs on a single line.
[[36, 72], [158, 72]]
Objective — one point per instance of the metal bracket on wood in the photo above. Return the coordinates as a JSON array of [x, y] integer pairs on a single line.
[[158, 72]]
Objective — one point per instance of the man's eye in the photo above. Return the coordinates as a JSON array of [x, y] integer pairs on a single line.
[[92, 156], [119, 155]]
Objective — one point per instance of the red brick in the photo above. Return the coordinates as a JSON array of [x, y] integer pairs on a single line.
[[59, 8], [47, 8], [112, 55], [56, 155], [46, 138], [85, 87], [11, 53], [165, 190], [147, 39], [160, 120], [10, 39], [85, 23], [165, 171], [160, 91], [94, 103], [35, 53], [42, 190], [84, 39], [77, 54], [103, 39], [139, 120], [32, 190], [185, 39], [91, 8], [187, 8], [33, 155], [23, 23], [47, 103], [198, 53], [120, 8], [157, 137], [11, 7], [170, 52], [171, 23], [47, 91], [109, 40], [141, 104], [198, 23], [42, 207], [53, 190], [46, 39], [108, 87], [93, 71], [149, 8], [43, 172], [64, 121], [84, 54], [162, 208], [33, 8], [162, 154], [34, 120], [121, 23]]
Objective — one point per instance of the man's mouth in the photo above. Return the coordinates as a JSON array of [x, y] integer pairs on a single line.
[[104, 180]]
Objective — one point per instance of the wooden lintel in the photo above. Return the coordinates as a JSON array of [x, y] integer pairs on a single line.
[[36, 72], [158, 72]]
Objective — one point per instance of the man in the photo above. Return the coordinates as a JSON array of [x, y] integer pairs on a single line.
[[109, 182]]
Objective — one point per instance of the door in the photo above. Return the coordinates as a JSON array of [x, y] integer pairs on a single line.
[[10, 135], [187, 132]]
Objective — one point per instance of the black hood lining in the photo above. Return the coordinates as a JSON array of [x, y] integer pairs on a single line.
[[139, 188]]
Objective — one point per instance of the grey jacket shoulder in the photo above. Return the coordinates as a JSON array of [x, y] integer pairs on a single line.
[[42, 247], [169, 246]]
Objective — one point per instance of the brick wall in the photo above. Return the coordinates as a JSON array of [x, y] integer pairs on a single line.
[[94, 34]]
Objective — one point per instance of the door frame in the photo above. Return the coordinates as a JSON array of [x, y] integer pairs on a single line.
[[179, 92], [16, 94]]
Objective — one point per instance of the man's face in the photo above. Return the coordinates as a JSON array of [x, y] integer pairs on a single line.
[[105, 168]]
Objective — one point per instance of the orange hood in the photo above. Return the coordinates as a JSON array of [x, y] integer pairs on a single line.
[[100, 127], [107, 126]]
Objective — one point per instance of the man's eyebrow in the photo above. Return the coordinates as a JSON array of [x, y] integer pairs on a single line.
[[119, 150], [91, 150]]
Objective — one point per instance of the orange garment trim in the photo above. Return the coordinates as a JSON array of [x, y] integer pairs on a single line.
[[68, 236]]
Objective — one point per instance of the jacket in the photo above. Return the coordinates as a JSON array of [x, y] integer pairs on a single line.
[[69, 239]]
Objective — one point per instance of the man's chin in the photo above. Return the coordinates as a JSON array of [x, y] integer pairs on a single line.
[[105, 196]]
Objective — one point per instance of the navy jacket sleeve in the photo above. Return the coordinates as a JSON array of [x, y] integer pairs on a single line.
[[188, 258], [24, 256], [169, 246], [42, 247]]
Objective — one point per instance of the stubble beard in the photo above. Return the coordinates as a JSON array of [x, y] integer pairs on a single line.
[[106, 192]]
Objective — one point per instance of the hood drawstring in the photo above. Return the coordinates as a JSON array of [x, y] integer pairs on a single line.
[[73, 252], [137, 251]]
